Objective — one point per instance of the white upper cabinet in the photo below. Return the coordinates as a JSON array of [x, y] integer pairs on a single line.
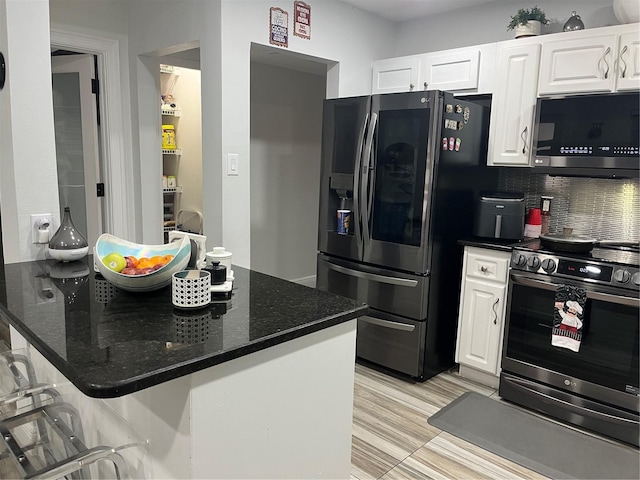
[[461, 70], [584, 62], [395, 75], [513, 104], [578, 65], [628, 71], [453, 70]]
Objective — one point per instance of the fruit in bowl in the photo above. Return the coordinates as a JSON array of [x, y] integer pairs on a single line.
[[131, 265], [140, 268]]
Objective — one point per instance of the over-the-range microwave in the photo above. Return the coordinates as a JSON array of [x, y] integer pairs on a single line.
[[591, 135]]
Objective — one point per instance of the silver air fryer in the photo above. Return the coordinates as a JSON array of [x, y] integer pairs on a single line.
[[500, 215]]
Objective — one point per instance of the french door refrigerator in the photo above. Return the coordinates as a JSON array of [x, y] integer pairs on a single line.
[[400, 173]]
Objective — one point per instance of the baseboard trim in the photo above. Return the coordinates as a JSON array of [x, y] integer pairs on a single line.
[[309, 281]]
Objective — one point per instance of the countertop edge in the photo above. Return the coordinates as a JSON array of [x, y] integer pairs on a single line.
[[493, 244], [163, 375]]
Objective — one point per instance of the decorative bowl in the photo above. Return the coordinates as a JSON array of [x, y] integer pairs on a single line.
[[107, 243]]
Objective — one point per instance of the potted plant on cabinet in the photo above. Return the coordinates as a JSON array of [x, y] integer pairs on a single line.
[[527, 23]]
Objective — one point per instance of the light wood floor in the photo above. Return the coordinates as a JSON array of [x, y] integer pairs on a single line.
[[392, 439]]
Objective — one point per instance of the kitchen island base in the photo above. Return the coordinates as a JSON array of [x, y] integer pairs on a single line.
[[281, 412]]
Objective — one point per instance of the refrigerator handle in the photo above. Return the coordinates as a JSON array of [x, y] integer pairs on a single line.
[[388, 324], [374, 277], [356, 187], [364, 181]]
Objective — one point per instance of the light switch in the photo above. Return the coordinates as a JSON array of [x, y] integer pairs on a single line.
[[232, 164]]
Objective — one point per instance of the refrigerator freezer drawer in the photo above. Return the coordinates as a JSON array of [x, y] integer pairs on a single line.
[[387, 290], [396, 343]]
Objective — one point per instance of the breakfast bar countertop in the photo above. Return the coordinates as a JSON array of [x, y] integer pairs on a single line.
[[110, 343]]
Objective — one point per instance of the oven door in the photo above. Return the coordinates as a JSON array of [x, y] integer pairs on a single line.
[[606, 367]]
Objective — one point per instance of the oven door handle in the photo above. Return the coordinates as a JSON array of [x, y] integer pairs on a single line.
[[603, 297], [547, 397]]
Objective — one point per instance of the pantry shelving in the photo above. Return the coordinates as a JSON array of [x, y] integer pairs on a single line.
[[170, 152]]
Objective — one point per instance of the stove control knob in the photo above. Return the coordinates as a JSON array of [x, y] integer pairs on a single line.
[[548, 265], [519, 259], [621, 276], [534, 262], [636, 279]]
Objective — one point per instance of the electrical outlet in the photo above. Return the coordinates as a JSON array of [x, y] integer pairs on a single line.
[[41, 227], [45, 290]]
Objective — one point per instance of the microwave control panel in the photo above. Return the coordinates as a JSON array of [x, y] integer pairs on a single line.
[[600, 151]]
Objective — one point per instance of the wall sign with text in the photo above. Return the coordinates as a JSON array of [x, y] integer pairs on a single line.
[[278, 27], [302, 20]]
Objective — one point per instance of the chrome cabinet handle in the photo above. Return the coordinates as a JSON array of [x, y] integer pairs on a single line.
[[483, 269], [604, 59], [495, 314], [425, 85], [523, 136], [624, 69], [411, 87]]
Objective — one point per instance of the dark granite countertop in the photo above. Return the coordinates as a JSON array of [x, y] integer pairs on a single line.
[[109, 342], [493, 243]]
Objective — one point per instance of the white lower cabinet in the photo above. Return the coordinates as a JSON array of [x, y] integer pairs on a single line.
[[482, 313]]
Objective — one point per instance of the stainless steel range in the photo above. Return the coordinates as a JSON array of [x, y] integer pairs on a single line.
[[571, 339]]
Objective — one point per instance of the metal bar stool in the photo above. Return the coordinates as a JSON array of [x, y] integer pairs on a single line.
[[41, 434], [60, 451]]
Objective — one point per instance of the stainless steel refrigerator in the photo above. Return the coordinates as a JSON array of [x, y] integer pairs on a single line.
[[400, 173]]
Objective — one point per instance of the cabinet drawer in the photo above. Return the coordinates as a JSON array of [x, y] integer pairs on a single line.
[[489, 267]]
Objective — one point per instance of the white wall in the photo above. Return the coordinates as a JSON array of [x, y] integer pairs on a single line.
[[338, 32], [286, 126], [160, 28], [487, 23], [28, 178]]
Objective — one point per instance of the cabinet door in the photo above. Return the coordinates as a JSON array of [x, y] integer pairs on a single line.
[[480, 325], [455, 70], [629, 62], [395, 75], [512, 105], [578, 65]]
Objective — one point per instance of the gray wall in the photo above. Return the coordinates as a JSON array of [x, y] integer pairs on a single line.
[[286, 126], [488, 23]]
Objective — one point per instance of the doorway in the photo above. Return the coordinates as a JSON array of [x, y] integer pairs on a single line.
[[180, 102], [77, 137], [287, 94], [117, 172]]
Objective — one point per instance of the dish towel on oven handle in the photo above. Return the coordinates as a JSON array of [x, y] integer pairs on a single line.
[[568, 317]]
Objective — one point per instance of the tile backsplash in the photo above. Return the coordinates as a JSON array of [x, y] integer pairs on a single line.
[[603, 208]]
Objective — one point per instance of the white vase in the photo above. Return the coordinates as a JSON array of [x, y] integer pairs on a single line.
[[529, 29], [626, 11]]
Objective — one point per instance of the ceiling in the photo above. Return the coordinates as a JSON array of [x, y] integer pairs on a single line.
[[401, 10]]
